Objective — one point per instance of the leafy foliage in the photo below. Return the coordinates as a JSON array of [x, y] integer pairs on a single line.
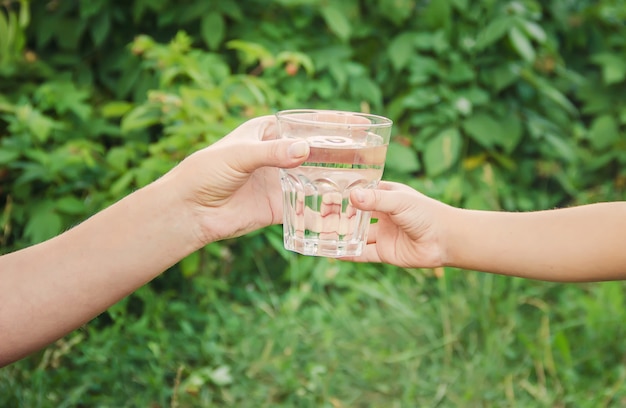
[[515, 105]]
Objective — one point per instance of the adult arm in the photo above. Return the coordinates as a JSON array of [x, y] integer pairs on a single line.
[[53, 287]]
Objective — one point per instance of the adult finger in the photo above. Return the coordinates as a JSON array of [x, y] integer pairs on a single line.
[[285, 153]]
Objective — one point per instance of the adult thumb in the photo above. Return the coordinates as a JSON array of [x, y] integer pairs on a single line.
[[282, 153]]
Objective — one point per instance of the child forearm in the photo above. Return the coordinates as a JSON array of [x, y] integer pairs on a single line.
[[575, 244]]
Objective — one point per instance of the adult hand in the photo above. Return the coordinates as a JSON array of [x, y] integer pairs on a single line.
[[232, 187]]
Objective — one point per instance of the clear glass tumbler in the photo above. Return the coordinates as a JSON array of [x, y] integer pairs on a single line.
[[347, 150]]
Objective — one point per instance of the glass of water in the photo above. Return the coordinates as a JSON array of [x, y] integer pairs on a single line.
[[347, 151]]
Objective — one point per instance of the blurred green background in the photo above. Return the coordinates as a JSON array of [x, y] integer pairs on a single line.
[[504, 105]]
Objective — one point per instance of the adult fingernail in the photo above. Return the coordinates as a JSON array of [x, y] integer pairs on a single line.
[[298, 149]]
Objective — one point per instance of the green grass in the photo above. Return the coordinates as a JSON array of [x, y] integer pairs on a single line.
[[340, 335]]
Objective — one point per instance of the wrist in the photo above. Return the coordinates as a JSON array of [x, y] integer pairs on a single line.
[[177, 210], [453, 236]]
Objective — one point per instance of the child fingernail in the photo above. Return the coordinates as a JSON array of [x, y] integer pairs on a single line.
[[359, 195]]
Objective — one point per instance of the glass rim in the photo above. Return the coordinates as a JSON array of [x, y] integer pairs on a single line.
[[289, 115]]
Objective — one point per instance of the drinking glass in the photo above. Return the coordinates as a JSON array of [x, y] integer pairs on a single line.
[[347, 151]]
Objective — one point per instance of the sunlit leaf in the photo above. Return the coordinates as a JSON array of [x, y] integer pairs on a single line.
[[533, 30], [522, 44], [613, 67], [401, 159], [494, 31], [337, 22], [141, 117], [190, 265], [44, 223], [603, 132], [7, 156], [116, 109], [483, 129], [400, 49], [212, 29], [70, 205], [442, 151]]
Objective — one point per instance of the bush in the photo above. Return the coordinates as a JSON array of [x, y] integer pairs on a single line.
[[514, 105]]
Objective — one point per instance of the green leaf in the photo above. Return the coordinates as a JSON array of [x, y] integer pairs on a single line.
[[337, 22], [298, 58], [438, 14], [63, 96], [100, 28], [442, 151], [40, 125], [533, 30], [400, 50], [117, 157], [7, 156], [483, 129], [69, 32], [121, 185], [423, 40], [140, 118], [251, 52], [231, 9], [397, 11], [213, 30], [325, 57], [460, 72], [4, 38], [460, 5], [502, 76], [70, 205], [493, 32], [116, 109], [512, 131], [422, 69], [547, 89], [564, 149], [562, 345], [193, 10], [24, 17], [522, 44], [91, 8], [401, 159], [477, 96], [364, 88], [43, 224], [190, 265], [613, 67], [557, 97], [604, 132], [420, 98]]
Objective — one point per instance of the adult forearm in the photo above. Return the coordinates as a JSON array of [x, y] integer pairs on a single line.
[[575, 244], [62, 283]]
